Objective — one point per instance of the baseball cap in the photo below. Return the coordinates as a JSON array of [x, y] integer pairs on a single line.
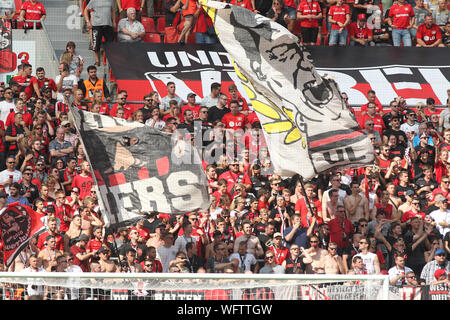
[[217, 233], [277, 234], [361, 16], [439, 272], [440, 199], [439, 251], [410, 111], [64, 123], [191, 94], [409, 192]]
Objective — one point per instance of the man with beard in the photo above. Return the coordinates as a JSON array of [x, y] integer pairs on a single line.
[[83, 181], [80, 257], [15, 196]]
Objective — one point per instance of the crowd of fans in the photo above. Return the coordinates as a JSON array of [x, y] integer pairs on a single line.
[[390, 217]]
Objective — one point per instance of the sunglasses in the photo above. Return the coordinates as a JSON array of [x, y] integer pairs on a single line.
[[149, 265], [269, 257], [441, 255], [363, 225]]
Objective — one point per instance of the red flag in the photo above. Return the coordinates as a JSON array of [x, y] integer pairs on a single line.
[[18, 225]]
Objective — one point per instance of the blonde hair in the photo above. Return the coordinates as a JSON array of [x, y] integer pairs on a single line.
[[66, 57]]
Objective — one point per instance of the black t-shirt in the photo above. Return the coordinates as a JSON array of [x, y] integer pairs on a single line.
[[387, 119], [263, 6], [357, 11], [446, 39], [295, 266], [416, 256], [398, 151], [398, 133], [400, 191], [428, 149], [384, 28], [215, 113], [141, 250], [170, 16], [280, 18], [263, 240], [147, 112], [151, 226]]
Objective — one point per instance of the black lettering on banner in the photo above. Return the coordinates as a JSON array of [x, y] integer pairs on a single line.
[[341, 155]]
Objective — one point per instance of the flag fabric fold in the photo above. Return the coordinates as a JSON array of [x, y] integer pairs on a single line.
[[306, 123], [139, 169], [18, 225]]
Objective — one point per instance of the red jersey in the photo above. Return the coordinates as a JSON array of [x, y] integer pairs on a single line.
[[337, 229], [279, 254], [427, 111], [378, 107], [429, 36], [84, 184], [2, 144], [128, 112], [43, 236], [360, 32], [377, 120], [33, 11], [46, 82], [387, 209], [243, 106], [93, 245], [409, 215], [401, 14], [234, 122], [61, 107], [309, 8], [60, 212], [195, 110], [84, 265], [27, 118], [26, 83], [67, 176], [80, 106], [242, 3], [233, 178], [384, 164], [131, 4], [338, 14], [104, 109]]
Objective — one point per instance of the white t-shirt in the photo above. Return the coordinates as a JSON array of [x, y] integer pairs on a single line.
[[440, 216], [394, 272], [245, 262], [406, 127], [4, 175], [368, 259], [68, 82], [165, 255], [5, 109]]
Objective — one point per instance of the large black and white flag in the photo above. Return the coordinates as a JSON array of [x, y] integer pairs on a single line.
[[139, 169], [306, 123]]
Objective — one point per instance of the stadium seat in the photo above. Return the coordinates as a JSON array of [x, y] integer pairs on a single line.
[[149, 24], [152, 38], [161, 25]]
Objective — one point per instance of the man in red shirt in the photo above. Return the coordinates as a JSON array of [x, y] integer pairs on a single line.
[[234, 119], [27, 118], [32, 10], [80, 256], [234, 95], [27, 82], [377, 119], [429, 34], [372, 97], [121, 102], [62, 211], [360, 34], [234, 176], [191, 105], [415, 210], [339, 17], [52, 224], [280, 252], [309, 12], [44, 82], [341, 229], [401, 19], [83, 181]]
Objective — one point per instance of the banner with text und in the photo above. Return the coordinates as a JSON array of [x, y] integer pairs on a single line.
[[413, 73]]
